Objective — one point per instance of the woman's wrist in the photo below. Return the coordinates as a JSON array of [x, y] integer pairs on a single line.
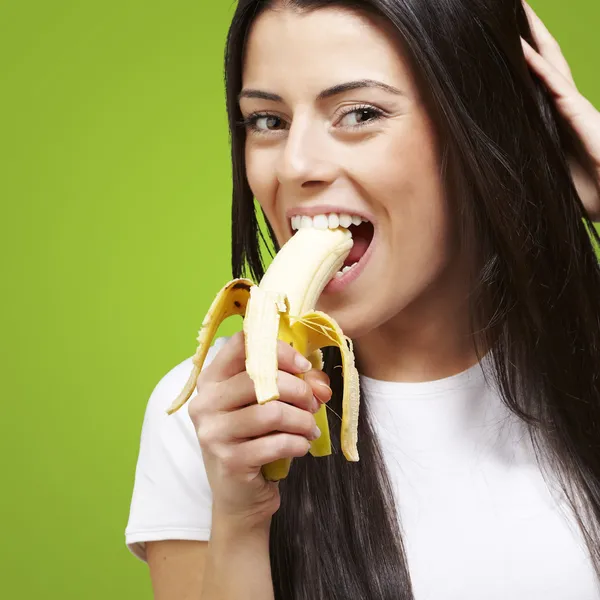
[[238, 561], [233, 527]]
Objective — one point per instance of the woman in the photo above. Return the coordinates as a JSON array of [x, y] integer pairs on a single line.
[[474, 317]]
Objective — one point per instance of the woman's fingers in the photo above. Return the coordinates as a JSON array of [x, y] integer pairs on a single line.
[[256, 420], [575, 108], [583, 117], [231, 359], [268, 448], [548, 47], [239, 391], [319, 383], [558, 84], [551, 67]]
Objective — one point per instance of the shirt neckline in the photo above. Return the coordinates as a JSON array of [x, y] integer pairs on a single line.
[[472, 377]]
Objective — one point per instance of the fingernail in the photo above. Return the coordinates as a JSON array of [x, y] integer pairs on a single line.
[[328, 391], [302, 363], [316, 405], [315, 434]]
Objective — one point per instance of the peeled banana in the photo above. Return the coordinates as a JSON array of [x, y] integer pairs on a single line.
[[282, 307]]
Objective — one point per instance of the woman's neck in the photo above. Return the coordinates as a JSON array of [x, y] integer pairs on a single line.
[[428, 340]]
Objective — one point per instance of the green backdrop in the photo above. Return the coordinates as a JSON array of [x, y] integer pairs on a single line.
[[115, 192]]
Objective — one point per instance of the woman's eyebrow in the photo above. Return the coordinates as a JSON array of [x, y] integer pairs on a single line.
[[327, 93], [356, 85]]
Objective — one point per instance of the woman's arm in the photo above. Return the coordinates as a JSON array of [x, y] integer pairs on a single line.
[[176, 568], [237, 563], [551, 66], [234, 564]]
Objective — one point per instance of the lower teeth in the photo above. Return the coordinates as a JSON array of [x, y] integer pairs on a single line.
[[344, 270]]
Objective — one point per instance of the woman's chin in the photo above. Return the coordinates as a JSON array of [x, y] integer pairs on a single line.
[[352, 323]]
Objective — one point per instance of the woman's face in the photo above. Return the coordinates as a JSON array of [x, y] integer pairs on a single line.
[[364, 148]]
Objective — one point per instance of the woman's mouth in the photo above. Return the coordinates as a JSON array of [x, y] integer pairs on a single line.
[[362, 234]]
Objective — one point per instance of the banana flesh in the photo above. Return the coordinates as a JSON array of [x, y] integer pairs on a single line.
[[282, 307]]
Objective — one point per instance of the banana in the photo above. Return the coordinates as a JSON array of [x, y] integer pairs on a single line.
[[282, 307]]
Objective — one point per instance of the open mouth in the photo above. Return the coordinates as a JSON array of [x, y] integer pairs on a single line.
[[362, 235]]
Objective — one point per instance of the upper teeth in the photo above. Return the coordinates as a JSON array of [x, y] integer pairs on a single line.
[[329, 221]]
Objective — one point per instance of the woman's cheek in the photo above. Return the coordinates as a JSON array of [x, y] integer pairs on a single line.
[[254, 173], [263, 184]]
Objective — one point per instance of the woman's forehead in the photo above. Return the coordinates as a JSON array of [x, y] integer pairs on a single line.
[[319, 48]]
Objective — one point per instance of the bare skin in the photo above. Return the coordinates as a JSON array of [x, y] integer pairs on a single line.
[[176, 568]]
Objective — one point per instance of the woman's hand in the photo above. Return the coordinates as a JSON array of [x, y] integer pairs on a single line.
[[552, 68], [237, 436]]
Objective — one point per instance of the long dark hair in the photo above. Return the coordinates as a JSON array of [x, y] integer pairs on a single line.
[[535, 288]]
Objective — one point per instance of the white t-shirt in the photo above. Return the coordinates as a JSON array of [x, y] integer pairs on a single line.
[[479, 522]]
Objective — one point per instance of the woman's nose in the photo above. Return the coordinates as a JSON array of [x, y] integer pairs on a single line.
[[306, 157]]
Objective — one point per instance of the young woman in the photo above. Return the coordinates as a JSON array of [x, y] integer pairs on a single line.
[[474, 314]]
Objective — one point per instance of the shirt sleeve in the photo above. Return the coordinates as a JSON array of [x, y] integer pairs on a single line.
[[171, 497]]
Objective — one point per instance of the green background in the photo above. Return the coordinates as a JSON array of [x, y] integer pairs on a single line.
[[115, 191]]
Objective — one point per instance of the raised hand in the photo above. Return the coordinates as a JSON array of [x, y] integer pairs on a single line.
[[552, 68]]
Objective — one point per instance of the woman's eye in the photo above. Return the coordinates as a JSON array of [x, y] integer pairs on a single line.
[[267, 123], [360, 116]]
